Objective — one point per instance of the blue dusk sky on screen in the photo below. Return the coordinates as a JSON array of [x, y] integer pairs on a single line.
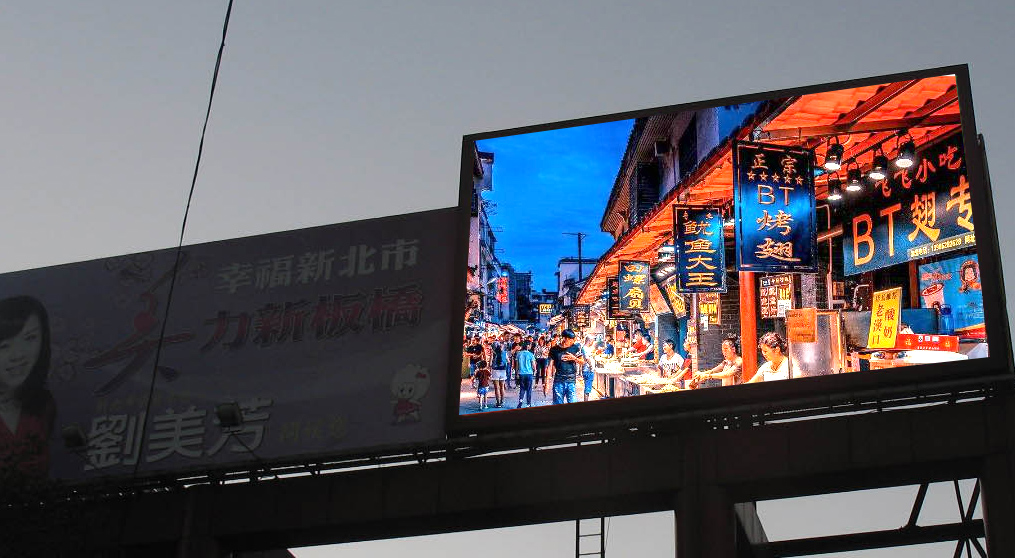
[[552, 182]]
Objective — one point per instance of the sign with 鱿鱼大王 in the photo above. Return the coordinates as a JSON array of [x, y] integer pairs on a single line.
[[328, 339], [633, 286], [700, 254], [545, 308], [773, 188], [914, 213]]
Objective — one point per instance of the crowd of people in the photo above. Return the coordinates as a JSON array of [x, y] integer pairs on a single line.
[[556, 362], [552, 362]]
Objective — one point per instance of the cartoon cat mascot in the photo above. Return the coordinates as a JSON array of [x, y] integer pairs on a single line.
[[408, 387]]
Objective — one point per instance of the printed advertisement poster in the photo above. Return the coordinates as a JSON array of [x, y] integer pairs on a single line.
[[329, 339], [953, 287]]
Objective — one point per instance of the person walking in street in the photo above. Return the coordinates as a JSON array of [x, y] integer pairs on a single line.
[[565, 360], [542, 354], [482, 381], [588, 364], [474, 351], [498, 363], [526, 368]]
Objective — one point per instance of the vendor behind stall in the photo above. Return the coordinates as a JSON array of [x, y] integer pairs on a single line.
[[730, 370], [641, 346], [671, 363], [773, 348]]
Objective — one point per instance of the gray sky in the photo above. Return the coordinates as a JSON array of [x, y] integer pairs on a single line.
[[331, 111]]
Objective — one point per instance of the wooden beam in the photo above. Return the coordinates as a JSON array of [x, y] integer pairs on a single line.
[[821, 132]]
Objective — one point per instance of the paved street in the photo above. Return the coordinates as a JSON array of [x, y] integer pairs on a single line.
[[470, 402]]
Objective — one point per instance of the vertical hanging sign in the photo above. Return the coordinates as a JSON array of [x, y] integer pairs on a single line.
[[613, 311], [698, 242], [633, 280], [773, 189]]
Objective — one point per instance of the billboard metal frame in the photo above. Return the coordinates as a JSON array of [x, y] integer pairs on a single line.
[[913, 379]]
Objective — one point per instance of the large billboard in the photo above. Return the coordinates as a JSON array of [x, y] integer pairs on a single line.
[[310, 342], [888, 167]]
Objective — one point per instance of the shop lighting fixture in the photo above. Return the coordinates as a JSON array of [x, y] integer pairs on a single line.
[[834, 189], [854, 182], [906, 153], [833, 156], [879, 168], [74, 437], [229, 415]]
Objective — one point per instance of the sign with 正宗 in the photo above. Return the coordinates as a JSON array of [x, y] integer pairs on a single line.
[[709, 308], [802, 325], [914, 213], [633, 282], [924, 342], [885, 312], [613, 311], [955, 284], [698, 243], [776, 293], [545, 308], [773, 189], [581, 315]]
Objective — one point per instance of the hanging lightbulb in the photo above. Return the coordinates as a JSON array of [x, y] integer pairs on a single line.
[[834, 189], [879, 168], [833, 156], [853, 181], [907, 155]]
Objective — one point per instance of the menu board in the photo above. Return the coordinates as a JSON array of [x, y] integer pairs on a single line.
[[709, 308], [802, 325], [885, 319], [776, 295]]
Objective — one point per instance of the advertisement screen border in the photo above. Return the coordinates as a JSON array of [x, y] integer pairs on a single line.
[[997, 365]]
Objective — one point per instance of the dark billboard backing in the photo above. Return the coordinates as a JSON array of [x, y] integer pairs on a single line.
[[880, 165], [323, 340]]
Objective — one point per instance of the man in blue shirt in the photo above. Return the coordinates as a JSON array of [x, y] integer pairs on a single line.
[[564, 362]]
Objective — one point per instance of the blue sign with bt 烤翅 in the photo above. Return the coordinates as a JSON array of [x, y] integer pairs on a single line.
[[700, 254], [773, 189]]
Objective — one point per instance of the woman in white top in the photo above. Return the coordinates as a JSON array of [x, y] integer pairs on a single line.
[[773, 348], [671, 361]]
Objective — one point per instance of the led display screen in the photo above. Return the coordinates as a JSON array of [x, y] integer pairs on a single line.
[[861, 206]]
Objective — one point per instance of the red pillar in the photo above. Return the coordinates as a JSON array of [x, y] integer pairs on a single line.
[[748, 323]]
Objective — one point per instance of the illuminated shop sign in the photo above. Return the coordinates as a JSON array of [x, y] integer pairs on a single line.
[[633, 278], [698, 242], [774, 203], [913, 213]]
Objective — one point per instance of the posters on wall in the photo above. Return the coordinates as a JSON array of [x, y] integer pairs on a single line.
[[776, 293], [953, 287]]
